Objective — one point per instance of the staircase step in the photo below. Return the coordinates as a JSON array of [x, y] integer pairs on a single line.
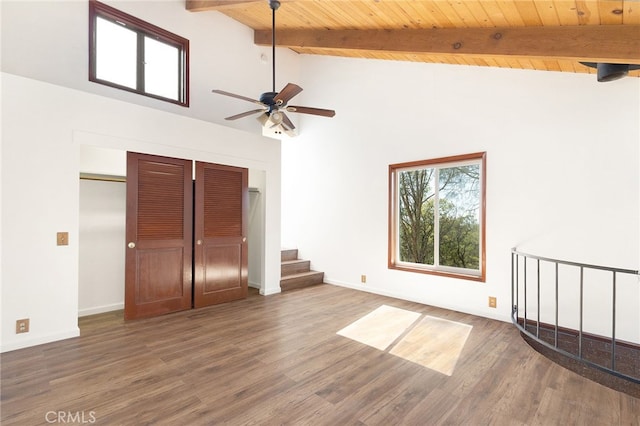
[[303, 279], [290, 254], [289, 267]]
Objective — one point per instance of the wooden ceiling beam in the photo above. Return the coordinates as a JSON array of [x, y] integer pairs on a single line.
[[204, 5], [591, 43]]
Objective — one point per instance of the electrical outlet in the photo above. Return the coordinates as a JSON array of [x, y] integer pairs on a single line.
[[493, 302], [22, 326], [62, 238], [363, 279]]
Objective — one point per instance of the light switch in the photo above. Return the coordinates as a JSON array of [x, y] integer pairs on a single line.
[[63, 238]]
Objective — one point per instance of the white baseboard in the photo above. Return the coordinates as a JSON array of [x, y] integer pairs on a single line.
[[39, 340], [497, 316], [100, 309], [270, 291]]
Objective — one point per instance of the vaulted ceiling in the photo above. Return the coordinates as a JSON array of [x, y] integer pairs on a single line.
[[551, 35]]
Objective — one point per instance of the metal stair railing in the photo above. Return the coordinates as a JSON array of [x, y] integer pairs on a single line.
[[520, 290]]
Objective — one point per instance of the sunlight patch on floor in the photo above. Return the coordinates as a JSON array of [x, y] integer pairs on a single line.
[[432, 342], [381, 327], [435, 343]]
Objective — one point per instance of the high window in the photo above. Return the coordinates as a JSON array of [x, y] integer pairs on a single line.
[[130, 54], [437, 216]]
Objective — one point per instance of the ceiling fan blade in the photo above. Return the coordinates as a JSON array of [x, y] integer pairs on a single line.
[[287, 122], [288, 92], [233, 95], [244, 114], [313, 111]]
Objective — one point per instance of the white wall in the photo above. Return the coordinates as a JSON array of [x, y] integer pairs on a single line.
[[562, 170], [256, 228]]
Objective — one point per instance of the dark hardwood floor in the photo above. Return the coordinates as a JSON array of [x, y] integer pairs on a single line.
[[278, 360]]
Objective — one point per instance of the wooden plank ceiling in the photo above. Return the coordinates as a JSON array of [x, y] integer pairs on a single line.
[[551, 35]]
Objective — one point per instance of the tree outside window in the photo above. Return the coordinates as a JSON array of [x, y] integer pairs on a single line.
[[437, 216]]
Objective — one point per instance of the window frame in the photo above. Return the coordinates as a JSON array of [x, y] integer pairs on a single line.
[[140, 27], [393, 237]]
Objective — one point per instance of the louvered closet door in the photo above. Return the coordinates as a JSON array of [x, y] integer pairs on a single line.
[[159, 235], [220, 252]]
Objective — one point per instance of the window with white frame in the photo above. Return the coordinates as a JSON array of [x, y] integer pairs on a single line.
[[130, 54], [437, 216]]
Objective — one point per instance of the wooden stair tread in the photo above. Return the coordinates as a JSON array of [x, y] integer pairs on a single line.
[[291, 262], [300, 274], [290, 267]]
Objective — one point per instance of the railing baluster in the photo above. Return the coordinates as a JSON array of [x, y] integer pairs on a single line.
[[570, 353], [538, 302], [525, 291], [517, 286], [513, 281], [613, 326], [556, 329], [581, 309]]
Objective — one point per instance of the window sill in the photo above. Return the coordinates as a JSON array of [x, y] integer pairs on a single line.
[[477, 278]]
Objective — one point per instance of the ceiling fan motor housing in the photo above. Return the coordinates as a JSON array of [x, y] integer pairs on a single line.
[[267, 98]]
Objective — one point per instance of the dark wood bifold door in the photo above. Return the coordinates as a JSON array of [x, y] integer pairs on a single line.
[[220, 253], [159, 230]]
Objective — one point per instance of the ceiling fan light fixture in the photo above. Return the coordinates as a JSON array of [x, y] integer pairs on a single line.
[[271, 119], [273, 129], [263, 118], [276, 117]]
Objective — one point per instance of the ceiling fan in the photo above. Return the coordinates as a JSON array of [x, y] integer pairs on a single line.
[[274, 105]]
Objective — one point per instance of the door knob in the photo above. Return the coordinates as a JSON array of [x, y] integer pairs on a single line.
[[131, 244], [199, 242], [244, 239]]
